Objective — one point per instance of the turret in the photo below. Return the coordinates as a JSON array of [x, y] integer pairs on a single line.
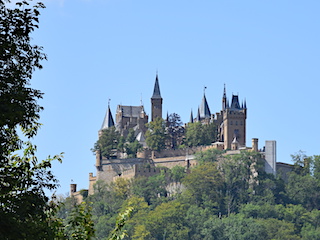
[[108, 120], [235, 144], [224, 98], [156, 101], [198, 116], [73, 188], [255, 144], [191, 117], [204, 108]]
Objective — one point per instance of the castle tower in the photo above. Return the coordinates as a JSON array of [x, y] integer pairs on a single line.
[[235, 144], [234, 123], [204, 108], [224, 98], [156, 101], [108, 120]]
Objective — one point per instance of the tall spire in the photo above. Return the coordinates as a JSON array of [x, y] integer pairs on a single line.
[[198, 116], [191, 117], [156, 90], [108, 119], [156, 101], [224, 98], [204, 108]]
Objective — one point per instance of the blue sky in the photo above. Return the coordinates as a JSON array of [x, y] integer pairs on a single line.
[[266, 51]]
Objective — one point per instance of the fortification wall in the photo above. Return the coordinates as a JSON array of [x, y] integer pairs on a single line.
[[140, 170], [111, 168], [92, 181], [169, 153], [283, 169], [170, 162]]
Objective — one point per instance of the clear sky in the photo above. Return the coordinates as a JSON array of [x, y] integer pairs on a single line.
[[266, 51]]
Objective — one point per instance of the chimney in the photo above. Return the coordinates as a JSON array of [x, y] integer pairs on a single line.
[[73, 188], [255, 144]]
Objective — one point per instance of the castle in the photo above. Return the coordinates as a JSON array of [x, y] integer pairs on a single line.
[[230, 125], [230, 121]]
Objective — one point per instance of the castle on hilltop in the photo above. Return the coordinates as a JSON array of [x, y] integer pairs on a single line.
[[230, 124]]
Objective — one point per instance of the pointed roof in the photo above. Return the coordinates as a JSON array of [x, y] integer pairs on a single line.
[[224, 92], [130, 111], [224, 98], [141, 139], [235, 140], [198, 116], [156, 90], [191, 117], [204, 108], [108, 119], [235, 102]]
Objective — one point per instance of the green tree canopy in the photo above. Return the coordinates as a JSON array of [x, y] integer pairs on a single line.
[[198, 134], [132, 145], [175, 131], [107, 142], [156, 134], [24, 209], [204, 185]]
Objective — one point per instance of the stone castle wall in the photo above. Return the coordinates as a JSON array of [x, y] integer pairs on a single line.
[[168, 153], [111, 168]]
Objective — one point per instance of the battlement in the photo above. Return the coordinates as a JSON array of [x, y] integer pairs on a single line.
[[140, 170]]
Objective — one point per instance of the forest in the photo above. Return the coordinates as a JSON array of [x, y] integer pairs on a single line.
[[223, 197]]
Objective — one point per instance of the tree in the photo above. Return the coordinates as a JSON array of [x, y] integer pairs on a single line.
[[79, 223], [118, 232], [165, 222], [194, 134], [150, 188], [156, 134], [240, 172], [19, 59], [23, 203], [108, 142], [175, 130], [303, 184], [132, 145], [177, 173], [204, 185], [198, 134], [210, 155]]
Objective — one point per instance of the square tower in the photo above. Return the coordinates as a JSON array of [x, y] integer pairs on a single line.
[[156, 101]]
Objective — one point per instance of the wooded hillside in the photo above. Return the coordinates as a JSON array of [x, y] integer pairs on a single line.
[[230, 198]]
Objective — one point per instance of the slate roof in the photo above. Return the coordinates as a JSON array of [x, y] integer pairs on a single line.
[[156, 90], [191, 117], [235, 102], [108, 120], [204, 108], [198, 116], [130, 111]]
